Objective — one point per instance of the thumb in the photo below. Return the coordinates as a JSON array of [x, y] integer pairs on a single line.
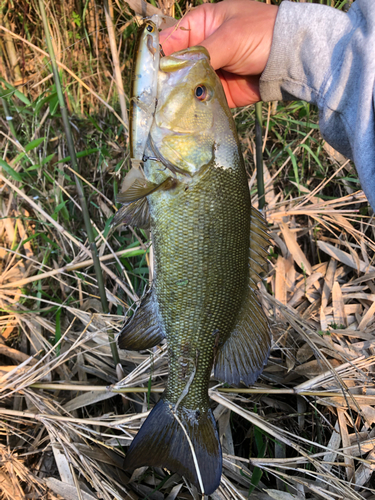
[[221, 47], [192, 29]]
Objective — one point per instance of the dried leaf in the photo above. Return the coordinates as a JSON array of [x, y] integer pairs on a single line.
[[281, 495], [280, 285], [369, 316], [338, 306], [345, 443], [328, 282], [66, 490], [369, 413], [295, 250], [88, 398], [314, 368], [334, 154], [344, 257], [304, 353], [61, 461]]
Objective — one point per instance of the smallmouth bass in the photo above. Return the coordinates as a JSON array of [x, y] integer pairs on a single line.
[[209, 249]]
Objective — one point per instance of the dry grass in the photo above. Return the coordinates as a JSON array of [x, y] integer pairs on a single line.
[[304, 431]]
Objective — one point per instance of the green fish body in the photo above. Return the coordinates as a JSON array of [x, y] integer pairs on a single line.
[[209, 247]]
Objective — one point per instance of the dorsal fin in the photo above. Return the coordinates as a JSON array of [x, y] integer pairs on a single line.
[[259, 241], [244, 353]]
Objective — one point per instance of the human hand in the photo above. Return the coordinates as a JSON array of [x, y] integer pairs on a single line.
[[238, 36]]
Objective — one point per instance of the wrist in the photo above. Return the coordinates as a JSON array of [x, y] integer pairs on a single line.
[[303, 40]]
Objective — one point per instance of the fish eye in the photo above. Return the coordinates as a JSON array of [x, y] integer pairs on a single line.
[[150, 28], [201, 92]]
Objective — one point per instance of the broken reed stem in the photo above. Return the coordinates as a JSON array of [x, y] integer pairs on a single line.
[[10, 48], [108, 10], [234, 390], [259, 154], [82, 199]]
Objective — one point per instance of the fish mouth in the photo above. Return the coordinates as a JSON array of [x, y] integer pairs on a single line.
[[183, 58]]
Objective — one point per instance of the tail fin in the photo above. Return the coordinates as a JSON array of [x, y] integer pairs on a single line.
[[162, 442]]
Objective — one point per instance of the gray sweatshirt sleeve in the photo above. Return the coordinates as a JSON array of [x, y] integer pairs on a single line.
[[327, 58]]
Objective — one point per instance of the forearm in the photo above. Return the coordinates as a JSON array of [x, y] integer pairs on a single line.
[[327, 58]]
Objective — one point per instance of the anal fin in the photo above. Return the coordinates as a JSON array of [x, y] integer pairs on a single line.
[[162, 442], [143, 330]]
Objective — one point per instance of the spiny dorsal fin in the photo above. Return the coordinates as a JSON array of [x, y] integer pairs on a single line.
[[259, 241], [143, 330]]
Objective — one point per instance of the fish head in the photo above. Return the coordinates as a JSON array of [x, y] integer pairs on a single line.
[[193, 125]]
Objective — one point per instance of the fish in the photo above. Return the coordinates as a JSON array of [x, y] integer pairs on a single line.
[[210, 250], [143, 101], [144, 85]]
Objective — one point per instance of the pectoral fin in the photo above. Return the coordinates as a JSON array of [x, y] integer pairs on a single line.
[[143, 330], [134, 173], [244, 353], [137, 190], [134, 214], [135, 211]]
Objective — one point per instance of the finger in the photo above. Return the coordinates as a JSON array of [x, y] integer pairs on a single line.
[[221, 47], [187, 32], [182, 36], [240, 90]]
